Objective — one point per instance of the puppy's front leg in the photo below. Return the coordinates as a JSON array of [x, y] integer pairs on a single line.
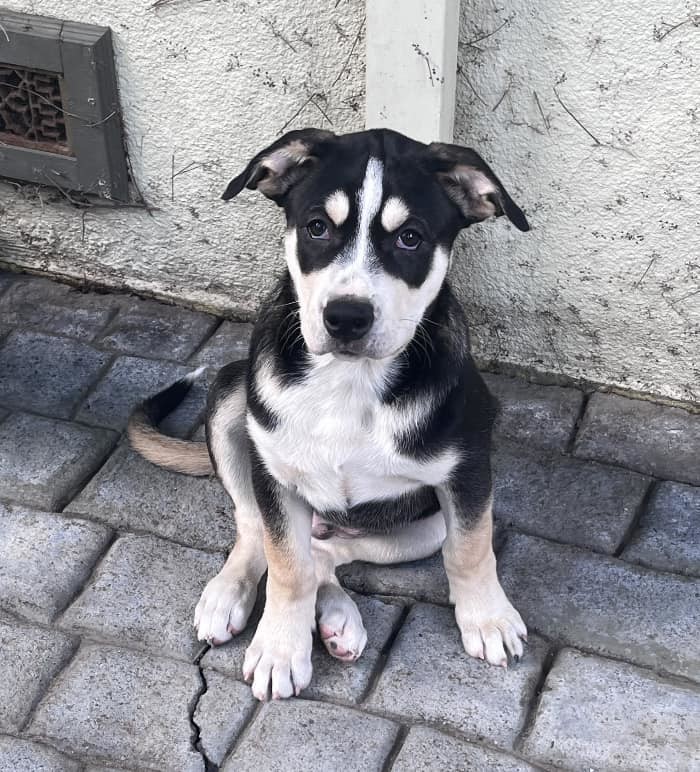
[[279, 656], [489, 624]]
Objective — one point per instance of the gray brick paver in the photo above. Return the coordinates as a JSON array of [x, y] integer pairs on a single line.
[[668, 534], [429, 677], [43, 460], [44, 559], [123, 707], [652, 439], [331, 679], [565, 499], [306, 735], [40, 304], [535, 415], [598, 714], [151, 329], [31, 656], [143, 594], [18, 755], [229, 343], [222, 713], [604, 604], [129, 492], [426, 750], [47, 375]]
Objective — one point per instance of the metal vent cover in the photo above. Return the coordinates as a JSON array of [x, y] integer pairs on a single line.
[[60, 122], [31, 110]]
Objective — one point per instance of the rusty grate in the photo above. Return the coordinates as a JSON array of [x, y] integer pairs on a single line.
[[31, 110]]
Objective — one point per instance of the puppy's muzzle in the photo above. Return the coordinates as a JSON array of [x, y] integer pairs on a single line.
[[348, 318]]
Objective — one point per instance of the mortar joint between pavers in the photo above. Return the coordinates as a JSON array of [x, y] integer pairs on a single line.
[[239, 741], [571, 441], [77, 489], [206, 339], [536, 697], [384, 655], [111, 357], [401, 736], [636, 518]]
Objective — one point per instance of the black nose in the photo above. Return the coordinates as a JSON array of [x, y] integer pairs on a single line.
[[348, 318]]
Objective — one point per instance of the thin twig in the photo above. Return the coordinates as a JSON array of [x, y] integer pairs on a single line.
[[504, 94], [592, 136], [545, 120], [474, 91], [321, 110], [55, 106], [65, 193], [692, 19], [648, 268], [276, 33], [489, 34]]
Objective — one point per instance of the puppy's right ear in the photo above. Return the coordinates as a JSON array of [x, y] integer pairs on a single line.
[[276, 169]]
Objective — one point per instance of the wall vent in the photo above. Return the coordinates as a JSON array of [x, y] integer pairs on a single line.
[[60, 123]]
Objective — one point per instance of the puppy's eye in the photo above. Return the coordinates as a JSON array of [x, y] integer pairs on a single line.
[[409, 239], [317, 229]]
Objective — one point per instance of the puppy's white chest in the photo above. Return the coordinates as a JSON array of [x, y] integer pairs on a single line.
[[335, 440]]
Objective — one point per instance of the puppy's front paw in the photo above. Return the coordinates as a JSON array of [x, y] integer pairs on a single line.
[[340, 623], [224, 607], [279, 657], [489, 624]]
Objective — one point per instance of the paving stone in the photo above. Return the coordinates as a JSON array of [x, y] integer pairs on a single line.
[[45, 374], [221, 713], [426, 750], [420, 579], [43, 461], [597, 714], [332, 679], [144, 594], [128, 382], [44, 559], [40, 304], [7, 279], [565, 499], [540, 416], [31, 657], [300, 734], [654, 439], [123, 707], [25, 756], [148, 328], [129, 492], [667, 534], [228, 344], [429, 677], [605, 605]]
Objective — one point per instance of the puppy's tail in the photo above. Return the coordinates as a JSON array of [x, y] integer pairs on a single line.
[[169, 452]]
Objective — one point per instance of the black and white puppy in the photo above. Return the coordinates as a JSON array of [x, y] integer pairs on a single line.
[[359, 427]]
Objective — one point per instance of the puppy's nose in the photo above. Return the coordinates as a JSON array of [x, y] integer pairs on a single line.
[[348, 318]]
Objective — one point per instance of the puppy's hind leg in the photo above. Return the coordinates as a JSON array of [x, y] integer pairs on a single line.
[[339, 621], [229, 597]]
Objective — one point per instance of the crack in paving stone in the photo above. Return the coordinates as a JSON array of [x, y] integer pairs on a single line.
[[196, 737]]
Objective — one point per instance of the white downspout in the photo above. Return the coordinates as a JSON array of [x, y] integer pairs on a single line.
[[412, 67]]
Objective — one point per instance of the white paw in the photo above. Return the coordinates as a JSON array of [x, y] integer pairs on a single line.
[[278, 659], [224, 607], [340, 623], [489, 625]]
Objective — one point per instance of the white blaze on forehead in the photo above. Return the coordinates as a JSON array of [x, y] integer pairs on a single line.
[[338, 207], [369, 200], [394, 213]]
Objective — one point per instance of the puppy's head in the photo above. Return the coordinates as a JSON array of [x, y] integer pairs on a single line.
[[371, 219]]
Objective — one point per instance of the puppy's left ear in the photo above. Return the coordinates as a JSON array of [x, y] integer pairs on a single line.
[[470, 183], [280, 166]]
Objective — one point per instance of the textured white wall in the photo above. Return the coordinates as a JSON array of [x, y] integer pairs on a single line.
[[607, 284], [203, 86]]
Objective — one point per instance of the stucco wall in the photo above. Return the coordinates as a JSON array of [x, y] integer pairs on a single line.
[[203, 86], [607, 284]]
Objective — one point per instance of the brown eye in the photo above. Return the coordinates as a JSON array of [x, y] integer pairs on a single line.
[[317, 229], [409, 239]]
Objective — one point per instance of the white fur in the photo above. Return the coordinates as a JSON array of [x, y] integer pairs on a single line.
[[337, 207], [335, 440], [394, 213]]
